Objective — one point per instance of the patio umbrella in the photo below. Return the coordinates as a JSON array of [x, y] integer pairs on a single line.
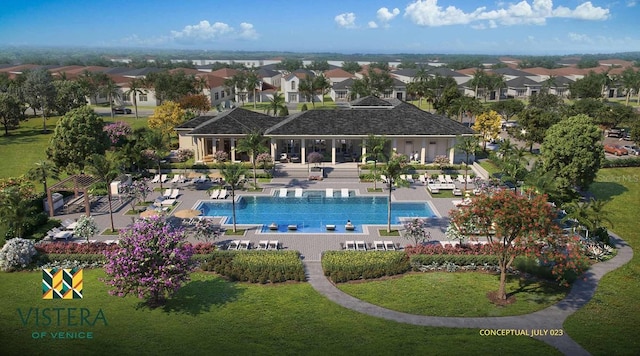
[[187, 214], [149, 213]]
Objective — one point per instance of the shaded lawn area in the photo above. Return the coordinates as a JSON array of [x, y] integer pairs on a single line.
[[609, 323], [210, 315], [429, 293]]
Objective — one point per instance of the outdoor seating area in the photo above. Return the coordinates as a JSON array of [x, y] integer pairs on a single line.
[[219, 194], [355, 245], [268, 245]]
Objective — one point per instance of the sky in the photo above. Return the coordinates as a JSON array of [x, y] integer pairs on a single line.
[[535, 27]]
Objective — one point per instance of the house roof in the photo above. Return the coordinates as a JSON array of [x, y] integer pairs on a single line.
[[337, 73], [345, 84], [521, 82], [213, 81], [267, 73], [225, 72], [370, 101], [510, 72], [446, 72], [232, 122], [399, 120], [406, 72]]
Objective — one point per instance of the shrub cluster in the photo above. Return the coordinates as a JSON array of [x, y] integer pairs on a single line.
[[71, 260], [65, 248], [419, 261], [256, 266], [621, 162], [342, 266], [204, 248], [16, 254], [437, 249]]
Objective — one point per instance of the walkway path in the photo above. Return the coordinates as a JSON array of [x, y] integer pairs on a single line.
[[552, 317]]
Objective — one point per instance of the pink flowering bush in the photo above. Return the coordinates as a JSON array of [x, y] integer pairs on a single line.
[[153, 261], [117, 131], [416, 231], [60, 247], [264, 159], [221, 156], [184, 154], [315, 157], [137, 191]]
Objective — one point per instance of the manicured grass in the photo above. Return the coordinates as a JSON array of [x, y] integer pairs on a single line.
[[383, 232], [491, 168], [372, 190], [608, 324], [210, 315], [239, 232], [430, 294]]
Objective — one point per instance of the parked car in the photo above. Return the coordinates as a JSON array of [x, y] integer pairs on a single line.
[[615, 150], [632, 149], [121, 110], [614, 133]]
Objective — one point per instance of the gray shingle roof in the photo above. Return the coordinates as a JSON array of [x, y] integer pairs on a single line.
[[521, 82], [236, 121], [511, 72]]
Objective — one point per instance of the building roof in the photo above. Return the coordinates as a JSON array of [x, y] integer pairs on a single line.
[[521, 82], [345, 84], [225, 72], [266, 73], [337, 73], [213, 81], [510, 72], [232, 122]]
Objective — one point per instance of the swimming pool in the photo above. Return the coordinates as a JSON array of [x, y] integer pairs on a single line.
[[313, 211]]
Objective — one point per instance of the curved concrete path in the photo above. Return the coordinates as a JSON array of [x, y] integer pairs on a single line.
[[552, 317]]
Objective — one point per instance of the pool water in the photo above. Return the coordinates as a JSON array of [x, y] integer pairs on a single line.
[[313, 211]]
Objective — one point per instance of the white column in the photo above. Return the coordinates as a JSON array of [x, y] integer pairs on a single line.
[[303, 151], [333, 151], [274, 149], [394, 146], [452, 154], [233, 150], [423, 151], [363, 156]]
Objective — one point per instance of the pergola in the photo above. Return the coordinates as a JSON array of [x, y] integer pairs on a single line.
[[78, 183]]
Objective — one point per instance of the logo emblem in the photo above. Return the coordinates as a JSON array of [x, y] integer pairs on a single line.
[[59, 283]]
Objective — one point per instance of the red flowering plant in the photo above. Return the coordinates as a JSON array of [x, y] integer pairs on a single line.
[[204, 248], [519, 225], [71, 248], [117, 131], [153, 261]]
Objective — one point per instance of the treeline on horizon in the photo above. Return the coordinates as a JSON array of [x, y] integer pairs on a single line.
[[162, 57]]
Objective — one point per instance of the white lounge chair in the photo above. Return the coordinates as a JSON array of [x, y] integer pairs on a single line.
[[448, 179], [234, 245], [423, 180], [167, 192], [461, 179], [163, 178], [223, 194], [328, 193], [283, 193], [274, 245], [263, 244], [168, 202], [378, 245], [409, 178], [244, 245], [388, 245], [441, 179], [383, 178], [298, 192], [156, 179], [361, 246], [344, 192], [175, 178], [174, 194], [215, 194], [349, 245]]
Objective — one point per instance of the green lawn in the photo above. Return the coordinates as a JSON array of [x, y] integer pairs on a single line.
[[430, 294], [212, 316], [609, 323]]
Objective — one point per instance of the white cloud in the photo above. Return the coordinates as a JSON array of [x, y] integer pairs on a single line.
[[631, 3], [346, 20], [247, 31], [577, 37], [525, 12], [202, 32], [372, 24], [384, 15]]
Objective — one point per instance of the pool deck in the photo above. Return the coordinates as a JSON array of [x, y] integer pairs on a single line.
[[311, 245]]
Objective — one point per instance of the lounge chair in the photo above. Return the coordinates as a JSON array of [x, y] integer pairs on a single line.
[[263, 245], [292, 227], [274, 245], [298, 192], [349, 226], [328, 193], [273, 226], [175, 178], [442, 179], [168, 202], [457, 192], [344, 192], [174, 194], [361, 246], [378, 245], [423, 180], [461, 179], [223, 194], [156, 179], [409, 178], [245, 245], [383, 178], [330, 227], [200, 179], [167, 192], [349, 245], [234, 245], [163, 178], [388, 245], [215, 194], [283, 193], [448, 179]]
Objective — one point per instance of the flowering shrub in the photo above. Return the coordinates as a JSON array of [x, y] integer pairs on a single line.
[[416, 231], [206, 229], [67, 248], [264, 159], [136, 191], [117, 131], [221, 156], [315, 157], [475, 249], [203, 248], [441, 160], [16, 254], [86, 227], [184, 154], [152, 261]]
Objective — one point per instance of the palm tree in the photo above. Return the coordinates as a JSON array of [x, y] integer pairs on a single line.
[[104, 171], [232, 172], [478, 81], [548, 84], [468, 145], [253, 144], [42, 171], [375, 147], [630, 81], [494, 82], [307, 89], [393, 169], [156, 142], [111, 91], [15, 211], [276, 104], [322, 83], [135, 88], [252, 82]]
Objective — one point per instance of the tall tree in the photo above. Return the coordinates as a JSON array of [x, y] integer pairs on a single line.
[[376, 147], [78, 135], [501, 217], [253, 144], [69, 95], [307, 89], [104, 171], [488, 124], [322, 84], [351, 67], [136, 87], [573, 149], [152, 261], [41, 172], [111, 91], [10, 111], [40, 93], [15, 211], [276, 104], [478, 81], [468, 145], [393, 169], [232, 172], [156, 143], [508, 108], [589, 86], [252, 83]]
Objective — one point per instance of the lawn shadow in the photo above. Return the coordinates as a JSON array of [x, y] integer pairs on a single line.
[[607, 190], [197, 297], [532, 286], [22, 136]]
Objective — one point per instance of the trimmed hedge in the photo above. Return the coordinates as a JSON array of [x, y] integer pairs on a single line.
[[80, 257], [342, 266], [418, 261], [621, 162], [256, 266]]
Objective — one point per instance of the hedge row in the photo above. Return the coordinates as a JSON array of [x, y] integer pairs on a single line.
[[256, 266], [621, 162], [342, 266], [80, 257], [417, 261]]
